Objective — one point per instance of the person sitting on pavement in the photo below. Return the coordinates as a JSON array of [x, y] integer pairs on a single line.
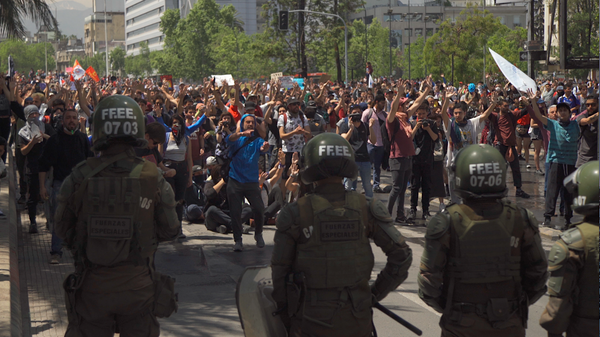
[[216, 209]]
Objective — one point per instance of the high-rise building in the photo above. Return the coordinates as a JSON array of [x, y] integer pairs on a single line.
[[94, 32], [142, 23]]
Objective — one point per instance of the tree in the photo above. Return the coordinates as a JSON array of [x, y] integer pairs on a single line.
[[12, 13], [97, 61], [140, 65], [26, 56], [457, 48], [117, 59]]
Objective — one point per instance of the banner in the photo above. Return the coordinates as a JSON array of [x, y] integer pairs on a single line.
[[92, 73], [220, 78], [287, 81], [78, 71], [275, 76], [168, 79], [513, 74]]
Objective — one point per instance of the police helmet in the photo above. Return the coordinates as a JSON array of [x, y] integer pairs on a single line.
[[118, 118], [583, 185], [480, 172], [327, 155]]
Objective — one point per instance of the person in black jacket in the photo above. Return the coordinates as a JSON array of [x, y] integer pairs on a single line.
[[216, 209], [63, 151]]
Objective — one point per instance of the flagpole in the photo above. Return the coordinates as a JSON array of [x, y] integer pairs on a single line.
[[105, 40]]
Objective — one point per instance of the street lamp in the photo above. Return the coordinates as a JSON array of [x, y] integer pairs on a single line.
[[390, 20], [366, 36]]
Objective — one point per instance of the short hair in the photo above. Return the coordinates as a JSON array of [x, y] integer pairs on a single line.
[[39, 96], [569, 85], [157, 132], [462, 106], [58, 102], [380, 98], [592, 97]]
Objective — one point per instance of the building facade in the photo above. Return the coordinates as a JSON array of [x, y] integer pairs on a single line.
[[407, 23], [94, 33], [65, 50], [142, 23]]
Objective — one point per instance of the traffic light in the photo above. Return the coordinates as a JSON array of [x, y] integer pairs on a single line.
[[283, 20]]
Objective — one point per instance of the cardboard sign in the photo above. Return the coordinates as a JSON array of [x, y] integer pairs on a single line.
[[287, 81], [220, 78], [324, 78], [275, 76]]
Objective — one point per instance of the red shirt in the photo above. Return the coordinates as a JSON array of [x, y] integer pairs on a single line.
[[400, 133], [505, 126]]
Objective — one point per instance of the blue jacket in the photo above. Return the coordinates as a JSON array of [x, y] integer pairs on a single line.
[[244, 166]]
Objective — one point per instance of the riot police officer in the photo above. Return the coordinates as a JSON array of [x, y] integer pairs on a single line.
[[322, 258], [573, 260], [112, 212], [483, 262]]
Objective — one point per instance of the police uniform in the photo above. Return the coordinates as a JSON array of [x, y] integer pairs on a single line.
[[483, 262], [112, 212], [322, 258], [573, 284]]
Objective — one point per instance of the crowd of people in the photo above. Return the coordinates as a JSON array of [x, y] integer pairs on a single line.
[[232, 152]]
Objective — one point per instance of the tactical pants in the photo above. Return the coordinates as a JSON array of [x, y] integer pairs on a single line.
[[99, 313], [472, 325], [344, 323]]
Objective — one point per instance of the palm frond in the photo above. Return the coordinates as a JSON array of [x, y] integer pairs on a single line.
[[12, 13]]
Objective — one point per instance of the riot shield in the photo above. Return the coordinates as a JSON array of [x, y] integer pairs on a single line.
[[255, 304]]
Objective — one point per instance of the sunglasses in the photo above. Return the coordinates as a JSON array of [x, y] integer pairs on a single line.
[[590, 104]]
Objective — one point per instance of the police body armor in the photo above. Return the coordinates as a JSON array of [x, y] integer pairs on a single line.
[[483, 269], [584, 238], [116, 214], [333, 257]]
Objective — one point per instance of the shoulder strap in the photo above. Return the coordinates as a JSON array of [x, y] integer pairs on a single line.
[[248, 141]]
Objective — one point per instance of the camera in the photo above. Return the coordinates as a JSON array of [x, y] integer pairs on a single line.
[[426, 123], [225, 124]]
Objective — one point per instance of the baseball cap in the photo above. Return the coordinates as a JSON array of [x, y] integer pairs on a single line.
[[249, 105], [541, 101], [293, 100], [311, 105], [560, 87], [212, 160]]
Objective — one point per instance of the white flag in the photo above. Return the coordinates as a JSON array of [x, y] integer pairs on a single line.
[[514, 75]]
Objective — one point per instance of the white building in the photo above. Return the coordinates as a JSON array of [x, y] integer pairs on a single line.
[[142, 21]]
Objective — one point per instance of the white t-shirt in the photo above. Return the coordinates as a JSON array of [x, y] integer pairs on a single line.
[[294, 143], [468, 133]]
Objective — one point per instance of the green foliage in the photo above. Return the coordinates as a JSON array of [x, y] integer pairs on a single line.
[[210, 41], [140, 65], [463, 40], [26, 56], [117, 59], [13, 13]]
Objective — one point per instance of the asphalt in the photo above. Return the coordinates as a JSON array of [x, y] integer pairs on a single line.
[[206, 270]]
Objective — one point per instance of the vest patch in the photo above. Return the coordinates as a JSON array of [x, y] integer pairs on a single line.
[[110, 227], [340, 230]]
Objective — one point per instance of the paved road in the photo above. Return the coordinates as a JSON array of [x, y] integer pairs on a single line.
[[206, 270]]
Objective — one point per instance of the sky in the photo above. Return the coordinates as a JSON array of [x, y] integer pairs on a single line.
[[70, 15]]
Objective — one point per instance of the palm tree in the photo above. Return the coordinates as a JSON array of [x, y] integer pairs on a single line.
[[12, 13]]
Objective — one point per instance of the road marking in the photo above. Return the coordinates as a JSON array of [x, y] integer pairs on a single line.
[[416, 299]]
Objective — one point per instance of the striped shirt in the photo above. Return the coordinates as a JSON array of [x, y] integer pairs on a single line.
[[562, 147]]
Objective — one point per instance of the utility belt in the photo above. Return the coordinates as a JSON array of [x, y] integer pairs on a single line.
[[497, 311]]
